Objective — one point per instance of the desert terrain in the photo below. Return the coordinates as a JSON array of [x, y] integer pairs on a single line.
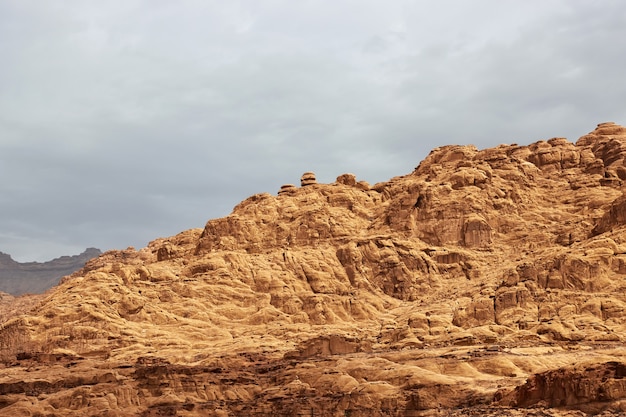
[[484, 283]]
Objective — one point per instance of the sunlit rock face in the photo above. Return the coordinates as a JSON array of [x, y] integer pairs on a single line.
[[485, 282]]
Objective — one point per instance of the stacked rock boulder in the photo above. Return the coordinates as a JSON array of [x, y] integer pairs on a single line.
[[308, 178], [287, 189]]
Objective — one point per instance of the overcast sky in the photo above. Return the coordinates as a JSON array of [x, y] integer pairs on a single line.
[[124, 121]]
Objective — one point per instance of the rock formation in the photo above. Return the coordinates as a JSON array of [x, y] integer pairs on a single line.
[[485, 282], [36, 277], [308, 178], [287, 189]]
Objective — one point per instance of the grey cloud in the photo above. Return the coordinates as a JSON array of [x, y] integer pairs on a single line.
[[124, 121]]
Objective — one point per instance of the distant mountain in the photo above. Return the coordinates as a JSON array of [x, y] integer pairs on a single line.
[[18, 278]]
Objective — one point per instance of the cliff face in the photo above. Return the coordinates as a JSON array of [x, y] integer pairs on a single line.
[[36, 277], [471, 285]]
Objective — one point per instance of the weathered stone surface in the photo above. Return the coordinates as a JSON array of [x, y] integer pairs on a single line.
[[482, 283], [308, 178], [287, 189], [589, 386], [347, 179]]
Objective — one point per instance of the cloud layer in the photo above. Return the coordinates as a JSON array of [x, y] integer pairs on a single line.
[[124, 121]]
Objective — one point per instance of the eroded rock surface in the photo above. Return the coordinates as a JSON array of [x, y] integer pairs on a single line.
[[485, 282]]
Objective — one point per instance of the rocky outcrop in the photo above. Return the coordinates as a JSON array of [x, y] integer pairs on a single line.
[[287, 189], [614, 217], [607, 145], [308, 178], [36, 277], [439, 292], [592, 387]]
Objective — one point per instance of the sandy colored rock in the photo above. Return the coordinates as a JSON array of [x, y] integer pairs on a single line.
[[485, 282], [308, 178], [347, 179], [287, 189]]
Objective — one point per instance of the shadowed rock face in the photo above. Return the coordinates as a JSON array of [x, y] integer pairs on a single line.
[[36, 277], [575, 385], [482, 283]]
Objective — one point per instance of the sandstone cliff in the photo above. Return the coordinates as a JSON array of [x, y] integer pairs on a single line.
[[484, 282], [36, 277]]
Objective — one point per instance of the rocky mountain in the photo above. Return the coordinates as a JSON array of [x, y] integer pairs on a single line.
[[36, 277], [485, 282]]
